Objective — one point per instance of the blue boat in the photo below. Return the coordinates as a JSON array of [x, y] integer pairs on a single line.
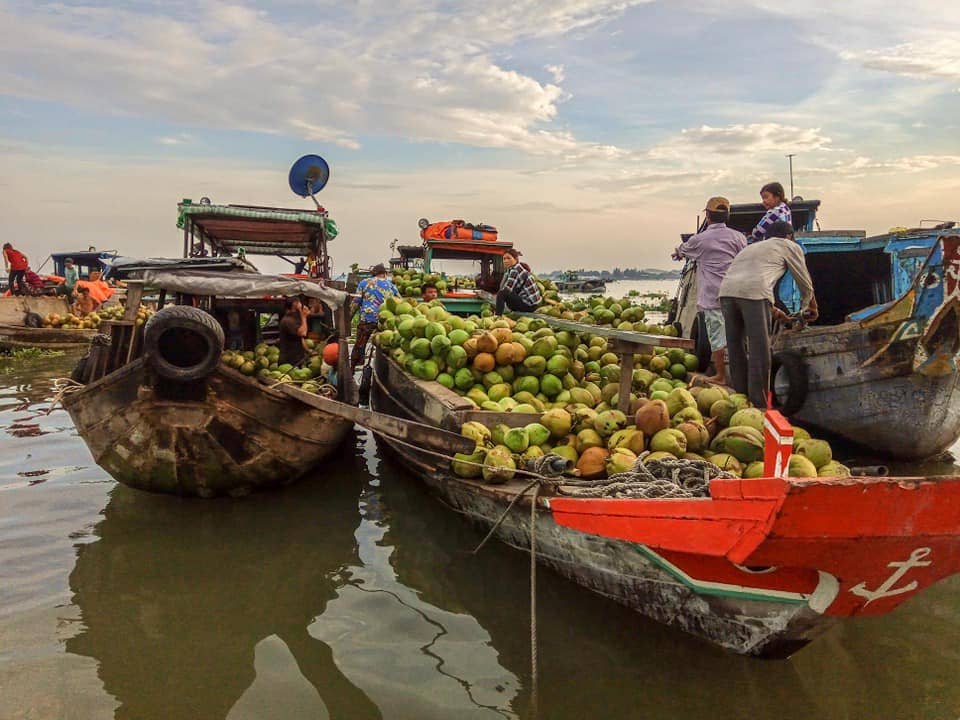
[[880, 365]]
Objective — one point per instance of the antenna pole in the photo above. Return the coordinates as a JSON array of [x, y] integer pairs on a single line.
[[790, 158]]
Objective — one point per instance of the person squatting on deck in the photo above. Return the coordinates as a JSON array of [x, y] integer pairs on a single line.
[[16, 264], [746, 299], [293, 329], [774, 200], [713, 250], [371, 292], [518, 288]]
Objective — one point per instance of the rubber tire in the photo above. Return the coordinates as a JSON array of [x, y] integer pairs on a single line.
[[797, 378], [184, 318], [33, 320], [701, 342]]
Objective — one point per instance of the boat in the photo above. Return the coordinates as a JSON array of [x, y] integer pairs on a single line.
[[572, 282], [155, 405], [885, 346], [761, 567]]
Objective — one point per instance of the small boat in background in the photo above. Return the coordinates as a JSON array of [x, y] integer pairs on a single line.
[[572, 282]]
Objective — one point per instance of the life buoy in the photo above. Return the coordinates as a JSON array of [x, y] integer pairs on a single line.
[[183, 343], [795, 374]]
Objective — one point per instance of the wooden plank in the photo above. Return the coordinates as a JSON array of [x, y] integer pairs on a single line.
[[413, 432], [134, 296], [623, 336]]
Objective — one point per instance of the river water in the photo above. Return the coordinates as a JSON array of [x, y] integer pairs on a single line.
[[353, 594]]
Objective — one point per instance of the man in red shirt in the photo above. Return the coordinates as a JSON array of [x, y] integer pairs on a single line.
[[15, 263]]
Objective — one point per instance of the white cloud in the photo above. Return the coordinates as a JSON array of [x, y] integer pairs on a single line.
[[739, 139], [938, 59], [557, 71], [179, 139], [346, 73]]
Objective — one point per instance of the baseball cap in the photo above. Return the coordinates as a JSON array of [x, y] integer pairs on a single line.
[[717, 204], [378, 269]]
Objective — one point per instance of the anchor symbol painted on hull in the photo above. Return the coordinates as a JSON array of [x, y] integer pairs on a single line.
[[888, 589]]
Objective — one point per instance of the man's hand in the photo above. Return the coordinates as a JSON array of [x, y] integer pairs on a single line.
[[780, 316], [304, 311], [676, 255]]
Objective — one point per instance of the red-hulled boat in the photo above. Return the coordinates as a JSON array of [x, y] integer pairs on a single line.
[[760, 567]]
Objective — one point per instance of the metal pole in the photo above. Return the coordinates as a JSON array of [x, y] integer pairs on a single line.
[[790, 158]]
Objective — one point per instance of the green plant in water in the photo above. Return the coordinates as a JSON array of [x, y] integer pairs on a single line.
[[29, 353]]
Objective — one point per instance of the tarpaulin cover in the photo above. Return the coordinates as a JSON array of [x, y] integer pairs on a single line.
[[238, 285]]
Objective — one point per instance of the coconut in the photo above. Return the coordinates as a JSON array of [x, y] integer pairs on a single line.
[[678, 399], [698, 438], [740, 401], [659, 455], [688, 414], [498, 433], [800, 434], [498, 466], [743, 442], [669, 440], [693, 456], [525, 409], [567, 451], [707, 397], [833, 469], [754, 470], [652, 417], [747, 417], [816, 451], [722, 411], [609, 391], [487, 343], [801, 467], [498, 392], [629, 438], [504, 354], [502, 335], [532, 453], [484, 362], [462, 467], [476, 432], [588, 438], [727, 462], [581, 396], [583, 418], [620, 460], [595, 391], [593, 462], [537, 433], [607, 423], [557, 421]]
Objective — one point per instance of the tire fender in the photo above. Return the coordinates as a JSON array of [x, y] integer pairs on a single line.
[[182, 343], [798, 381]]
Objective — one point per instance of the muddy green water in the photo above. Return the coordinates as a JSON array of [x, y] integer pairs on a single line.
[[353, 595]]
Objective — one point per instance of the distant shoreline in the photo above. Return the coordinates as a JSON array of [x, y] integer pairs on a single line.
[[617, 274]]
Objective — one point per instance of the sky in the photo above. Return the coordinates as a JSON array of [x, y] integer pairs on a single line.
[[590, 132]]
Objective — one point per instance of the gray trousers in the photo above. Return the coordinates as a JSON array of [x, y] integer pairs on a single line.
[[748, 326]]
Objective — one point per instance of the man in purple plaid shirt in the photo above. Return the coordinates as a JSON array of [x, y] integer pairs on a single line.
[[774, 200], [518, 288]]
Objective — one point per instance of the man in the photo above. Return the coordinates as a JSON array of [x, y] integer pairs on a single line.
[[518, 288], [713, 250], [746, 298], [371, 292], [429, 292], [293, 329], [85, 303], [15, 263], [70, 277]]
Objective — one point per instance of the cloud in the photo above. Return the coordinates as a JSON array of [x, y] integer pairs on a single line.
[[557, 71], [180, 139], [925, 60], [861, 165], [739, 139], [334, 78]]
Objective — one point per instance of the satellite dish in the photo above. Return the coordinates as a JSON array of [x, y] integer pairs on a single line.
[[309, 175]]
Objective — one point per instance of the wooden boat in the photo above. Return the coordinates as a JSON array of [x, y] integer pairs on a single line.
[[571, 282], [880, 365], [159, 411], [15, 333], [761, 567]]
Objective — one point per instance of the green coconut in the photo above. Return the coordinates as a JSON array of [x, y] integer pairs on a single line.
[[743, 442], [538, 434], [678, 399], [557, 421], [727, 463], [754, 470], [568, 452], [698, 437], [620, 460], [499, 465], [609, 422], [833, 469], [462, 467], [588, 438], [747, 417], [816, 451], [477, 432], [801, 466], [669, 440]]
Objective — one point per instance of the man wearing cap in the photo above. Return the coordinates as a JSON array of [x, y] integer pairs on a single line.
[[746, 298], [713, 250], [371, 292]]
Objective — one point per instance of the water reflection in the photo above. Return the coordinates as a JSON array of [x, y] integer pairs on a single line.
[[176, 595]]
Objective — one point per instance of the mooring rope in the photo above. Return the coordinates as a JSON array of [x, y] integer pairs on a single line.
[[62, 387]]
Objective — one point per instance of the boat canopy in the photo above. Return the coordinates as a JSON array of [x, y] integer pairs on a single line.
[[258, 230], [240, 285], [127, 267]]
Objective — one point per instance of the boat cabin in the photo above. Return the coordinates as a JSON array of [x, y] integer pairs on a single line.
[[242, 230], [408, 257], [481, 259], [85, 261]]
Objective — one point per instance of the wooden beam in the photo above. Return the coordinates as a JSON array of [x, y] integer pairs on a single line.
[[134, 296], [624, 336], [418, 434]]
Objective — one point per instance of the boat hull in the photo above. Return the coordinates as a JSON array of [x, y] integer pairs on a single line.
[[239, 437], [623, 571], [13, 337], [871, 394]]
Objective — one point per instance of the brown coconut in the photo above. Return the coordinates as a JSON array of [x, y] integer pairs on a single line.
[[484, 362], [470, 346], [487, 343], [652, 418], [502, 335], [593, 462], [504, 354]]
